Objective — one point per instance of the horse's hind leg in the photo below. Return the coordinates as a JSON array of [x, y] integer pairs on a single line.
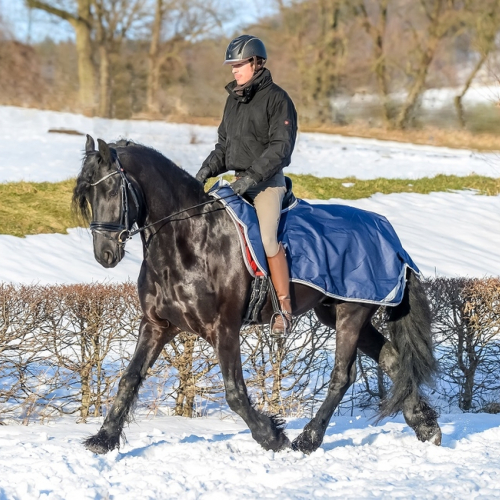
[[416, 411], [266, 430], [350, 319], [152, 339]]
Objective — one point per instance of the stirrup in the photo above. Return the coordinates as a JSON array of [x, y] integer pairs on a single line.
[[281, 323]]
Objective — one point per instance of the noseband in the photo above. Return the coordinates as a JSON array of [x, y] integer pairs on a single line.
[[125, 225]]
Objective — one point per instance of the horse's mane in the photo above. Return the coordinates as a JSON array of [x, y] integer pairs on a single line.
[[79, 202], [89, 172]]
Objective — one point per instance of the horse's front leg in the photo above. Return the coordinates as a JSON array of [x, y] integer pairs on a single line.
[[152, 339], [266, 430]]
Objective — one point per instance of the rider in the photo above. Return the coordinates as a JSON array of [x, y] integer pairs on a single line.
[[256, 138]]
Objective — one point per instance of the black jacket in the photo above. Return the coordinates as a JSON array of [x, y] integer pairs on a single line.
[[257, 133]]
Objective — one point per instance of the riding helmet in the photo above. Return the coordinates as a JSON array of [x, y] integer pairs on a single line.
[[243, 48]]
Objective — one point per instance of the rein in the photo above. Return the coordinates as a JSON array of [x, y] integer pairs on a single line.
[[140, 229], [124, 227]]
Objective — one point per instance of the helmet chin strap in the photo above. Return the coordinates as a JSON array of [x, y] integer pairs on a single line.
[[240, 88], [258, 65]]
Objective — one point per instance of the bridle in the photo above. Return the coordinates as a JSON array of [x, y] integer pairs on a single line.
[[124, 227]]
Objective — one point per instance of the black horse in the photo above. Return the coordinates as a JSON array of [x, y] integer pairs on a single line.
[[193, 278]]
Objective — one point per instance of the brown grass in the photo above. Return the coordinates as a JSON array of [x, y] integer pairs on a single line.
[[458, 139], [461, 139]]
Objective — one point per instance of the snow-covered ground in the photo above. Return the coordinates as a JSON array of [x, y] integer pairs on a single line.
[[447, 234], [450, 234], [30, 152], [214, 459]]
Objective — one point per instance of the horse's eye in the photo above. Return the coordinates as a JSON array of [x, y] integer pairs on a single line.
[[113, 193]]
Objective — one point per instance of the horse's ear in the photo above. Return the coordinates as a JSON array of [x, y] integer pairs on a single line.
[[89, 144], [104, 151]]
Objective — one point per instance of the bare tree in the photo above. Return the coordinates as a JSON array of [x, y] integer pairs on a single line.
[[80, 18], [314, 35], [484, 22], [377, 31], [176, 24], [442, 18], [19, 316], [114, 19], [467, 326], [193, 359]]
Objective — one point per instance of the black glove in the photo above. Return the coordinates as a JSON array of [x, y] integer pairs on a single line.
[[243, 184], [203, 174]]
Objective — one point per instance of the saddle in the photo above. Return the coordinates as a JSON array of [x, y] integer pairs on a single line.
[[289, 198]]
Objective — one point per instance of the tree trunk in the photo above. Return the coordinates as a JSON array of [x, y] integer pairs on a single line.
[[277, 345], [403, 118], [184, 405], [190, 394], [435, 33], [97, 363], [330, 50], [378, 33], [153, 83], [86, 394], [82, 24], [86, 68], [486, 30], [104, 82], [458, 99], [465, 402], [467, 361], [380, 382]]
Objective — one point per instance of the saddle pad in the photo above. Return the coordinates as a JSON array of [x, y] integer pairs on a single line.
[[345, 252]]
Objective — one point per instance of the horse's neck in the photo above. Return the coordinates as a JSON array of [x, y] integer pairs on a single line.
[[168, 191]]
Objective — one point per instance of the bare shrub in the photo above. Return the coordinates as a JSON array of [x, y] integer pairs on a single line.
[[187, 374], [287, 374], [92, 326], [63, 349], [466, 321]]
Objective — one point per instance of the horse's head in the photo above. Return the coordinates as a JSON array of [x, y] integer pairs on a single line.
[[105, 197]]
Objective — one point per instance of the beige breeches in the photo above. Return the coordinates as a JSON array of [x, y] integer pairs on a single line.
[[268, 207]]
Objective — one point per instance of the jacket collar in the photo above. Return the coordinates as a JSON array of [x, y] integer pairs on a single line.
[[259, 83]]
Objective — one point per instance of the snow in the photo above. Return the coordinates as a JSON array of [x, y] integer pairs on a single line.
[[215, 457], [212, 458], [460, 239], [30, 153], [435, 99]]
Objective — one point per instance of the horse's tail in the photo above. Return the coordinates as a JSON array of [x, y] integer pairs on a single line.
[[410, 332]]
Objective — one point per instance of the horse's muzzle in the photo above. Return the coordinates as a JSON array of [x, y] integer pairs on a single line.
[[108, 259], [108, 254]]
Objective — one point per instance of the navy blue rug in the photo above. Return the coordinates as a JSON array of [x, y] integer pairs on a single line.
[[345, 252]]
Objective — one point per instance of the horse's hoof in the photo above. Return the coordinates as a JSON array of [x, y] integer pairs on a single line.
[[304, 443], [436, 438], [284, 443], [431, 434], [101, 443], [279, 444]]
